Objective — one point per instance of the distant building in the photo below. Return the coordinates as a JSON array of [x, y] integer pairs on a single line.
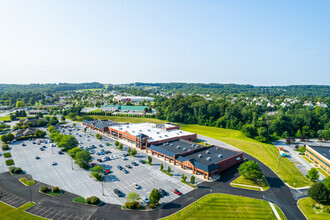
[[24, 132], [322, 105], [320, 155], [124, 108], [308, 104], [35, 112], [133, 99]]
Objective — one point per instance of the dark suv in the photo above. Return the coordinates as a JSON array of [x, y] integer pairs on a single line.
[[162, 192], [118, 192]]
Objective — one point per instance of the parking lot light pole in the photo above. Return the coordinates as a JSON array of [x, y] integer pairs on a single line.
[[71, 163], [102, 185]]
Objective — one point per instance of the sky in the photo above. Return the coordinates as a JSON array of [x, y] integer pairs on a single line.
[[275, 42]]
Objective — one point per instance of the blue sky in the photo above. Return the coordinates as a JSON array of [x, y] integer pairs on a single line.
[[245, 42]]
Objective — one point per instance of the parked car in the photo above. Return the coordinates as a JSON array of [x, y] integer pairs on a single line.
[[60, 152], [99, 160], [107, 158], [100, 145], [107, 171], [128, 166], [145, 199], [118, 193], [93, 164], [33, 142], [119, 167], [125, 171], [141, 161], [92, 151], [162, 192], [136, 186], [53, 163], [107, 152], [107, 144], [133, 163], [44, 147], [41, 149], [37, 157], [23, 145], [177, 192], [100, 153]]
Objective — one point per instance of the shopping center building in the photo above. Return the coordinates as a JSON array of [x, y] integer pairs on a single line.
[[320, 155]]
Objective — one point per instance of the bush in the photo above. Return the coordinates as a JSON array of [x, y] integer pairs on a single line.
[[132, 205], [318, 192], [10, 162], [152, 205], [5, 147], [93, 200], [55, 189], [15, 170], [43, 189], [6, 155]]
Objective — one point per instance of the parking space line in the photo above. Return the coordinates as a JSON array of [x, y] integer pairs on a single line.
[[39, 210], [50, 214]]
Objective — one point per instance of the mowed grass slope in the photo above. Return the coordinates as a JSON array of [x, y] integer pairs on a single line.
[[9, 213], [223, 206], [266, 153], [306, 205]]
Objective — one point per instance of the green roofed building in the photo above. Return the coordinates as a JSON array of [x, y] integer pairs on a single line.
[[123, 108]]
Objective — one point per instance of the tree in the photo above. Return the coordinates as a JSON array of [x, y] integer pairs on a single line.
[[20, 104], [161, 167], [97, 176], [63, 118], [83, 158], [54, 121], [149, 159], [51, 129], [192, 179], [298, 134], [12, 117], [326, 183], [129, 150], [74, 124], [154, 196], [98, 136], [133, 152], [168, 169], [7, 137], [40, 133], [313, 174], [120, 146], [72, 152], [116, 143], [97, 169], [183, 177], [132, 197], [249, 130], [250, 170], [318, 192]]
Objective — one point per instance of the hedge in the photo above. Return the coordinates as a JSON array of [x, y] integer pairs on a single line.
[[15, 170], [6, 155], [5, 147], [132, 205], [10, 162], [55, 189], [93, 200], [43, 189]]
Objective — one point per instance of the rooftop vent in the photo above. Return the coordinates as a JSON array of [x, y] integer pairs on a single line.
[[209, 158], [199, 156], [178, 147], [171, 144], [220, 155], [207, 152], [184, 149]]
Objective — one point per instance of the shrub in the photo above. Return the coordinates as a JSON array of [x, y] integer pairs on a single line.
[[10, 162], [43, 189], [55, 189], [17, 170], [93, 200], [5, 147], [132, 205], [149, 160], [6, 155], [318, 192], [152, 205]]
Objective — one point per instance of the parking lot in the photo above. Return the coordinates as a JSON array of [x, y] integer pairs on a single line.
[[78, 181]]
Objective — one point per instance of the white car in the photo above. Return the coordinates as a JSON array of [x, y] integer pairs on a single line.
[[145, 199], [53, 163], [136, 186]]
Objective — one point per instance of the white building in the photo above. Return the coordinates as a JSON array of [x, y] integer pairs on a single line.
[[133, 99]]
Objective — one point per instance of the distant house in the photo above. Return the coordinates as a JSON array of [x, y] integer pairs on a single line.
[[34, 121], [24, 132]]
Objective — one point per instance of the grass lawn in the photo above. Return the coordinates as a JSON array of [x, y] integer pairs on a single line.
[[267, 153], [54, 194], [26, 182], [79, 199], [223, 206], [241, 180], [168, 173], [5, 118], [280, 213], [307, 159], [9, 213], [306, 205], [189, 184]]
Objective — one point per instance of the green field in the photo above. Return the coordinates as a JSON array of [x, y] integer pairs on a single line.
[[266, 153], [9, 213], [241, 180], [223, 206], [5, 118], [306, 205]]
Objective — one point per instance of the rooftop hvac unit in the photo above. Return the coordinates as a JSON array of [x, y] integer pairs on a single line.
[[207, 152], [178, 147], [238, 158], [196, 146], [189, 149], [209, 158], [164, 144], [184, 149], [171, 144], [220, 155], [199, 156]]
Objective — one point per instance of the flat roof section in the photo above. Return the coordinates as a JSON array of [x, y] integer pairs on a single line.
[[153, 131], [172, 148], [323, 150]]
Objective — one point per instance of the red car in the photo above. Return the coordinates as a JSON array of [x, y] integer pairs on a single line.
[[107, 171], [177, 192]]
